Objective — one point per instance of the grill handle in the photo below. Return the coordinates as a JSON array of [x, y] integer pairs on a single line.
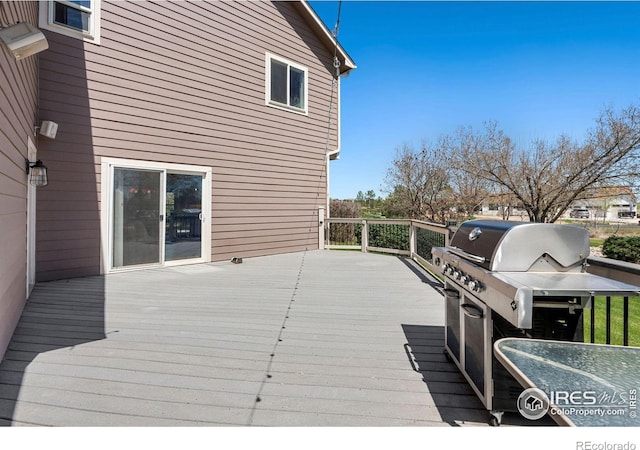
[[451, 293], [469, 256], [472, 311]]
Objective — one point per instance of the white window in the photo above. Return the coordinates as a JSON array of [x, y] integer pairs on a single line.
[[76, 18], [286, 84]]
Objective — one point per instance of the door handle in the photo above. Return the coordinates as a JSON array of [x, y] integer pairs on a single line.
[[472, 311]]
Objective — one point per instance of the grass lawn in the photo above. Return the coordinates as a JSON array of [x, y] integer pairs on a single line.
[[616, 321]]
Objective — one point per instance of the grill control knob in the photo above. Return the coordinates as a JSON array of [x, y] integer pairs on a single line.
[[465, 279], [457, 274], [475, 285]]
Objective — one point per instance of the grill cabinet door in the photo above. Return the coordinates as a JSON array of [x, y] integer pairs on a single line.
[[475, 322], [452, 321]]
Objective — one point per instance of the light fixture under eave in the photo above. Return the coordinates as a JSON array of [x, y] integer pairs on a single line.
[[37, 173], [23, 39]]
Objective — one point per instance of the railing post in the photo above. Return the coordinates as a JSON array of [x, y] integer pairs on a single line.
[[625, 321], [364, 238], [321, 226], [592, 324], [412, 240], [608, 324]]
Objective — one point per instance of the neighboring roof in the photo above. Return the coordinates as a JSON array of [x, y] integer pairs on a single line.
[[607, 192], [325, 35]]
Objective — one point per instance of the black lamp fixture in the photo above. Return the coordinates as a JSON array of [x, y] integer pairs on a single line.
[[37, 173]]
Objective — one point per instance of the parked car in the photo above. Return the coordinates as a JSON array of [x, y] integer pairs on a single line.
[[579, 213], [626, 214]]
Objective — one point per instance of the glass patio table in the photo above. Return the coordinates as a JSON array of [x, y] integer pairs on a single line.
[[577, 384]]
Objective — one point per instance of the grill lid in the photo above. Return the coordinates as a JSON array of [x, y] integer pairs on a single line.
[[499, 245]]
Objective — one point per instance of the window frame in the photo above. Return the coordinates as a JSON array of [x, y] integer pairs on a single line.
[[47, 20], [286, 106]]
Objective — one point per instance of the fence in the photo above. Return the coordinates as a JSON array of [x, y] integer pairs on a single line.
[[411, 238], [610, 320]]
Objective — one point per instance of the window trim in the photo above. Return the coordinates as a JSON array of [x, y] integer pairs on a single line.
[[46, 21], [289, 63]]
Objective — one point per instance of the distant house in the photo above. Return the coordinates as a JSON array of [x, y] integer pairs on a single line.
[[608, 203], [187, 132], [602, 203], [502, 205]]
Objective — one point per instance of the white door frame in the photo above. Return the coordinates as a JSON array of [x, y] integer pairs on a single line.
[[32, 155], [106, 195]]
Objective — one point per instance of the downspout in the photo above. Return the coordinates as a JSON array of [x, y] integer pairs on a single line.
[[335, 153]]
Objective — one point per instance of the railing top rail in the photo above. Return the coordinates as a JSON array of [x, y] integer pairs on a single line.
[[369, 221], [389, 221], [423, 224], [343, 220], [418, 223]]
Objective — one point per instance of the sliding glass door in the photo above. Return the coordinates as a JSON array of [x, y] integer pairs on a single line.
[[183, 230], [157, 215]]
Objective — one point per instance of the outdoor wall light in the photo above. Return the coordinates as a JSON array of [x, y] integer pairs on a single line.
[[48, 129], [37, 173], [23, 39]]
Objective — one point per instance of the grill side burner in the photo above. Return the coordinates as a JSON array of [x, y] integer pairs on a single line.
[[513, 279]]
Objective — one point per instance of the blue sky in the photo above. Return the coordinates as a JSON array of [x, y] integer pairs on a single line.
[[539, 69]]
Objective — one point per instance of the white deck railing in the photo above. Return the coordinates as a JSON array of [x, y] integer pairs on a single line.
[[415, 239], [412, 238]]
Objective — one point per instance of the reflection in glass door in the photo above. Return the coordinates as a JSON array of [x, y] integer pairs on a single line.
[[183, 230], [136, 217]]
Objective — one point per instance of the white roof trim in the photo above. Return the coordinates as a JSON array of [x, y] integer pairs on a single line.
[[347, 63]]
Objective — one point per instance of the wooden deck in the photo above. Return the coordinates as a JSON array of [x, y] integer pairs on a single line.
[[307, 339]]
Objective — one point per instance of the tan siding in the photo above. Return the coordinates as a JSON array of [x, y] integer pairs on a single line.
[[69, 203], [18, 87], [75, 266], [212, 102], [12, 242], [184, 82]]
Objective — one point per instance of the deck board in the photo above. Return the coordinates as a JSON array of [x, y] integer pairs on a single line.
[[304, 339]]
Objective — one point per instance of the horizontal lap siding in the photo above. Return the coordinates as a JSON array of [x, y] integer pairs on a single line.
[[18, 87], [184, 82]]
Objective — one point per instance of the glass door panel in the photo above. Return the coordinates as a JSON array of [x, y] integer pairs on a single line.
[[183, 230], [137, 217]]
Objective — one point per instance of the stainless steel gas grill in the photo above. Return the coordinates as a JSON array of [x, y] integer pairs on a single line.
[[513, 279]]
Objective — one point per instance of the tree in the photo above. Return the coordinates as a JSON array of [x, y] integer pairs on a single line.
[[344, 233], [367, 199], [370, 197], [344, 208], [418, 184], [468, 188], [548, 178]]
